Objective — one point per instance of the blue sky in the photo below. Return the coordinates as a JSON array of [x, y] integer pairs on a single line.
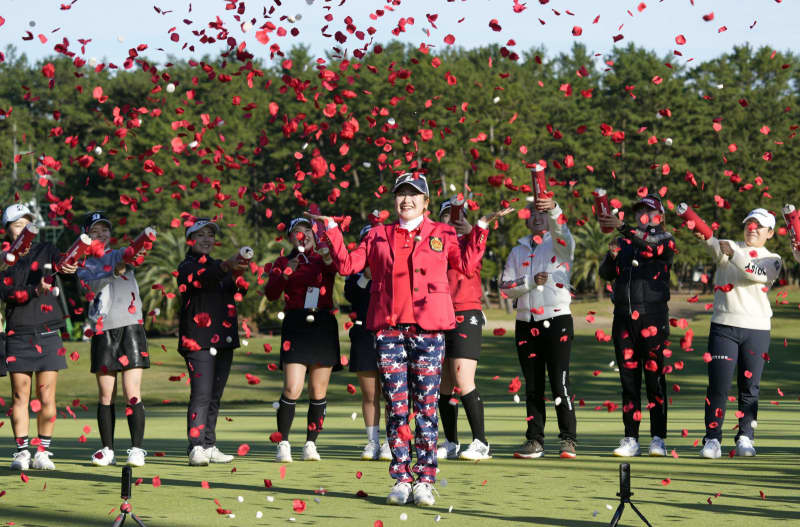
[[115, 26]]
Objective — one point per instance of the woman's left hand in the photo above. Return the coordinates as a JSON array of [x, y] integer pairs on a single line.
[[316, 217], [495, 215]]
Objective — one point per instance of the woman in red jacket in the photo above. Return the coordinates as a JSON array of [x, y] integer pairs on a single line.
[[462, 350], [309, 334], [409, 310]]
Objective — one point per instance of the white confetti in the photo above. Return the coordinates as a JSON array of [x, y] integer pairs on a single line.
[[281, 315], [259, 515], [245, 342], [270, 499], [540, 288], [240, 499], [98, 151], [516, 398], [635, 263], [609, 507], [193, 144], [450, 509], [558, 401], [546, 324], [668, 141], [310, 318], [611, 364], [212, 351], [171, 87], [231, 516], [754, 423], [391, 121], [403, 516], [438, 518], [353, 416], [276, 405], [496, 100], [247, 26]]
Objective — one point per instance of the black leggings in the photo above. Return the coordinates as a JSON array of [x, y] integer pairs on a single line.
[[208, 375], [734, 348], [638, 349], [550, 350]]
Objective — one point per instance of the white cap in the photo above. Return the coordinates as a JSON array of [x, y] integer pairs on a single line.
[[764, 218], [198, 224], [15, 212]]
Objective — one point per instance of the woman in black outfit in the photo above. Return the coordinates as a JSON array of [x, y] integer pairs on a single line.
[[34, 321], [208, 335], [364, 361]]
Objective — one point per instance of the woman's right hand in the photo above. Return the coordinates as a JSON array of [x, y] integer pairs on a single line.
[[699, 236], [44, 287]]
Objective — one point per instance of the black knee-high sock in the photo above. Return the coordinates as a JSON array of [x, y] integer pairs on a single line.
[[105, 422], [449, 415], [136, 423], [473, 407], [286, 416], [316, 416]]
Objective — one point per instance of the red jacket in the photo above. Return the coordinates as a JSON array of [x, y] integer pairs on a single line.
[[466, 290], [437, 248], [311, 272]]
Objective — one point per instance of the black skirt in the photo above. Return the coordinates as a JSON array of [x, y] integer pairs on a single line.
[[363, 354], [310, 343], [3, 369], [120, 349], [464, 342], [35, 352]]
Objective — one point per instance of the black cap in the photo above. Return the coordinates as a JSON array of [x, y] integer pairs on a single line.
[[651, 201], [445, 205], [94, 217], [418, 181]]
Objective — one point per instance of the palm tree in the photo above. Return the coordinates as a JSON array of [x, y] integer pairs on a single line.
[[591, 246]]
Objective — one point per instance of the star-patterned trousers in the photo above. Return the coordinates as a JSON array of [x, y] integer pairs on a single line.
[[410, 363]]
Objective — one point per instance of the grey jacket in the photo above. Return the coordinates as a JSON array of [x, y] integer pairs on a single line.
[[114, 295]]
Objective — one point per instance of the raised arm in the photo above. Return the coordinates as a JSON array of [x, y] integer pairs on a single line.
[[760, 270], [347, 262]]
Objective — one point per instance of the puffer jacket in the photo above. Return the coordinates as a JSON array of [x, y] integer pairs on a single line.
[[553, 256], [640, 271]]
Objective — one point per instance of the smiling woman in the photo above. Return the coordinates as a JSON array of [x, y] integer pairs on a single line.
[[740, 329], [410, 308]]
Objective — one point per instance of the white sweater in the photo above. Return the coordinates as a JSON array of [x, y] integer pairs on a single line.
[[551, 257], [751, 272]]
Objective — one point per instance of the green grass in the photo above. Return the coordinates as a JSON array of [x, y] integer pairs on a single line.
[[504, 491]]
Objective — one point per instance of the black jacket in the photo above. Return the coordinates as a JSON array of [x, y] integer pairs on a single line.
[[357, 296], [27, 313], [640, 271], [208, 315]]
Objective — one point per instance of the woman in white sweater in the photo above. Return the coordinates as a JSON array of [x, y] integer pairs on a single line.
[[740, 329], [537, 277]]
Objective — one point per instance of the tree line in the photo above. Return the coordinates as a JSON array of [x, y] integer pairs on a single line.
[[256, 142]]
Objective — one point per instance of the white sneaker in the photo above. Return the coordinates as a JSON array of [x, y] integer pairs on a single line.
[[711, 450], [423, 495], [371, 451], [41, 461], [657, 447], [215, 455], [135, 457], [198, 457], [22, 460], [284, 453], [386, 452], [744, 447], [448, 450], [310, 452], [476, 451], [103, 457], [628, 447], [399, 494]]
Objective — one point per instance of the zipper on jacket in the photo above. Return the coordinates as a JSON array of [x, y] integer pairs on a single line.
[[630, 279]]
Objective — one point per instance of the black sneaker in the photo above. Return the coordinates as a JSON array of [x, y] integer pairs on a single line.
[[530, 449], [568, 449]]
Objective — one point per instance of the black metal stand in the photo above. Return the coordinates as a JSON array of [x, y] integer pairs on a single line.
[[125, 509], [625, 496]]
